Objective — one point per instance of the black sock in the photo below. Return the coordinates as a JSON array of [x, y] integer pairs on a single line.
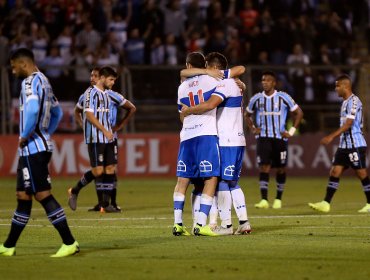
[[19, 222], [366, 187], [85, 180], [264, 183], [108, 181], [242, 222], [280, 182], [331, 188], [99, 186], [57, 217], [114, 191]]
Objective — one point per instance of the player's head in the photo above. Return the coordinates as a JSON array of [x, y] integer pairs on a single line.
[[216, 60], [94, 76], [343, 85], [268, 81], [107, 77], [21, 61], [195, 60]]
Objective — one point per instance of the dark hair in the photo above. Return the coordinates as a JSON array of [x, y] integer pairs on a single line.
[[196, 59], [217, 59], [95, 68], [22, 53], [269, 73], [343, 77], [108, 71]]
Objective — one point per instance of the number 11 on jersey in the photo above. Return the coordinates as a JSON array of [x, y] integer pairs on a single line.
[[195, 100]]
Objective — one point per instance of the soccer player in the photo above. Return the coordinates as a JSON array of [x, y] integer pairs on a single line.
[[99, 137], [270, 108], [231, 142], [198, 153], [117, 102], [40, 114], [352, 145]]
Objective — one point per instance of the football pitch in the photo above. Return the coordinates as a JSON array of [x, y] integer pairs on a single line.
[[291, 243]]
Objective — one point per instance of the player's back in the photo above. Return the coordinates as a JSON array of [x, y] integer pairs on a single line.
[[191, 92], [230, 115]]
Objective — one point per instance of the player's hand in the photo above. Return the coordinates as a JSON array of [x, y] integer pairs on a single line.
[[240, 84], [256, 130], [22, 142], [286, 134], [116, 128], [108, 134], [185, 110], [326, 140], [215, 73]]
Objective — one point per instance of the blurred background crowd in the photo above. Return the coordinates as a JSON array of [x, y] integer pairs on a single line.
[[77, 34]]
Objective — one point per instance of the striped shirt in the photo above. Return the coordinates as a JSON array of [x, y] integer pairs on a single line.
[[37, 87], [271, 112], [98, 103], [353, 137], [117, 100]]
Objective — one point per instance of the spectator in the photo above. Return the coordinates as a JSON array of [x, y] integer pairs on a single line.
[[88, 37], [134, 48]]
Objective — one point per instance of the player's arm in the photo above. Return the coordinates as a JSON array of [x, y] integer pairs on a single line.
[[235, 71], [215, 73], [131, 109], [56, 114], [95, 122], [31, 114], [347, 125], [203, 107], [297, 116], [78, 115], [250, 123]]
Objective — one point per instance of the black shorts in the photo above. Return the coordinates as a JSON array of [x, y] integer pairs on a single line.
[[33, 173], [355, 158], [102, 154], [272, 151]]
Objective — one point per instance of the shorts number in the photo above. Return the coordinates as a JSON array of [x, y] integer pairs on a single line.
[[192, 97], [353, 157], [26, 174], [283, 156]]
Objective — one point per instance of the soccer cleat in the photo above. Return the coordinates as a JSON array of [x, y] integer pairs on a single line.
[[365, 209], [263, 204], [220, 230], [178, 230], [67, 250], [276, 204], [322, 206], [72, 199], [111, 209], [7, 251], [96, 208], [204, 231], [117, 207], [243, 229]]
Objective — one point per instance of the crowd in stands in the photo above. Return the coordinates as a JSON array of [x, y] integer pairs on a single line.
[[162, 32]]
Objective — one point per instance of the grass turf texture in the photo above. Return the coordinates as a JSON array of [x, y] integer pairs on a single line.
[[292, 243]]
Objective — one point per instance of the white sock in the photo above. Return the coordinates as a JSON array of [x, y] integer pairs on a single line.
[[205, 207], [178, 202], [195, 205], [224, 203], [239, 203], [213, 213]]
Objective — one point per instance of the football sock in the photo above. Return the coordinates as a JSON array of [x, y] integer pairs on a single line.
[[280, 183], [238, 199], [205, 206], [108, 183], [178, 206], [113, 197], [224, 203], [100, 190], [19, 222], [85, 180], [332, 187], [58, 218], [213, 212], [195, 204], [366, 187], [264, 184]]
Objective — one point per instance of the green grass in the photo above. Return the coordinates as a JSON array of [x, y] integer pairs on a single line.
[[291, 243]]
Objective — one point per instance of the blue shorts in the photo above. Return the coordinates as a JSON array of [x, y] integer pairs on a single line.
[[231, 162], [199, 157]]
